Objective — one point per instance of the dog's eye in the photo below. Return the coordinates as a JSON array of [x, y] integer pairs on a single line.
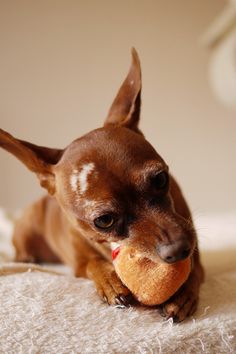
[[104, 221], [160, 181]]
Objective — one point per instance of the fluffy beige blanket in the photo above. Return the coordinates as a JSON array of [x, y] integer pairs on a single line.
[[42, 311]]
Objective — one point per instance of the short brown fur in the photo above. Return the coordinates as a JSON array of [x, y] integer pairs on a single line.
[[61, 226]]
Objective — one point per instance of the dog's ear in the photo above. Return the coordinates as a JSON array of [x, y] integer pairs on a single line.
[[38, 159], [125, 109]]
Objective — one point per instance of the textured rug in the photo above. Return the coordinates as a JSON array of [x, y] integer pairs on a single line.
[[45, 310]]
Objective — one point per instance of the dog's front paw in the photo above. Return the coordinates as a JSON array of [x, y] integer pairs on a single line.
[[108, 285], [112, 291], [181, 305]]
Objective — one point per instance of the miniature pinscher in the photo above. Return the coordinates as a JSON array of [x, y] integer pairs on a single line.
[[108, 186]]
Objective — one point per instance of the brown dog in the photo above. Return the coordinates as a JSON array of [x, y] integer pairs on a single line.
[[108, 186]]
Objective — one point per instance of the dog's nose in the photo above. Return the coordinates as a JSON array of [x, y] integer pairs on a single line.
[[173, 252]]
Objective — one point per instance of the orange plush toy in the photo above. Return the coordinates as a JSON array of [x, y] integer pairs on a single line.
[[151, 283]]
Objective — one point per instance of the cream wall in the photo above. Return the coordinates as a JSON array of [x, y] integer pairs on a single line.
[[61, 63]]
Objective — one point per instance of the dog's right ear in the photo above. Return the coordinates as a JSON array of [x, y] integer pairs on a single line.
[[125, 109], [38, 159]]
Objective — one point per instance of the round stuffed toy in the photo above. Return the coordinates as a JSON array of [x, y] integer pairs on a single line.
[[151, 283]]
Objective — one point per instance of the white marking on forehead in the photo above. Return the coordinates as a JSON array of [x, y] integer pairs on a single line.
[[79, 179], [83, 176], [74, 180]]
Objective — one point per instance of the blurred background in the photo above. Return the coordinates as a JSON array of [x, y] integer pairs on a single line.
[[61, 63]]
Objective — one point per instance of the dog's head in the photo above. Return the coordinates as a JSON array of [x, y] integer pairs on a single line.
[[111, 183]]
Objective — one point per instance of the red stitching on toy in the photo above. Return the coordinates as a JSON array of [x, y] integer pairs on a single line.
[[115, 253]]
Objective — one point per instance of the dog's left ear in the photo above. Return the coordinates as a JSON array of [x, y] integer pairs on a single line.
[[38, 159], [125, 109]]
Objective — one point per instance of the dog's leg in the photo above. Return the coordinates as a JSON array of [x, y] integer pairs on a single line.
[[31, 247], [28, 240], [184, 302], [108, 285]]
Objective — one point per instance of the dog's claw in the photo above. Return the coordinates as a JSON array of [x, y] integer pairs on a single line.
[[182, 305], [176, 319], [105, 299], [118, 301], [130, 299], [123, 300], [170, 315]]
